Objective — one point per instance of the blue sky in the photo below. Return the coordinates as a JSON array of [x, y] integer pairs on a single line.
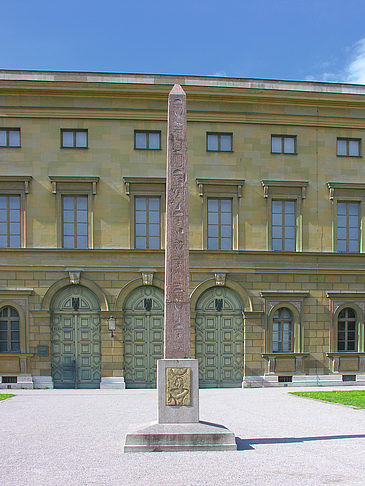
[[322, 40]]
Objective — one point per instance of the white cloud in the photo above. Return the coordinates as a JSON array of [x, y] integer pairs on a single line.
[[355, 70]]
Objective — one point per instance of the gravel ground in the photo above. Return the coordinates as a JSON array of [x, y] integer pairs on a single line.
[[76, 438]]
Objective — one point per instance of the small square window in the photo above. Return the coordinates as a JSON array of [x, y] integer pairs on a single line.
[[74, 138], [147, 140], [10, 137], [282, 144], [219, 142], [348, 147]]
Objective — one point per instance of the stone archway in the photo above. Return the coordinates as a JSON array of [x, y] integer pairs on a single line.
[[75, 338], [143, 336], [219, 338]]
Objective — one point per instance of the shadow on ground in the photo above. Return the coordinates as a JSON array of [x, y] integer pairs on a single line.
[[246, 444]]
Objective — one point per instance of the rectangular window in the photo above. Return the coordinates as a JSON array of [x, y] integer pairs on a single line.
[[348, 147], [75, 221], [147, 140], [347, 330], [219, 142], [282, 337], [282, 144], [10, 137], [9, 221], [9, 330], [219, 224], [283, 225], [348, 227], [282, 331], [74, 138], [147, 223]]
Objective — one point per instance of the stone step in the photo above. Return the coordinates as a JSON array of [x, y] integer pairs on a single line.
[[199, 436]]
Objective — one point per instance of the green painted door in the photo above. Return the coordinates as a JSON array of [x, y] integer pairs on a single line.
[[143, 336], [219, 339], [75, 346]]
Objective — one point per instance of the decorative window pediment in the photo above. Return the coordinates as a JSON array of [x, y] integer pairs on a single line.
[[222, 187], [76, 184], [276, 188], [346, 190], [144, 185]]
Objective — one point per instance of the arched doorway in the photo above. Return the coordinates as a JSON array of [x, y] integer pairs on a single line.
[[143, 336], [75, 338], [219, 338]]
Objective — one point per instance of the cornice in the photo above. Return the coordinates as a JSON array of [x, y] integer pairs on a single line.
[[139, 181], [345, 294], [193, 116], [238, 183], [92, 180], [358, 187], [300, 185], [284, 355], [16, 291], [284, 294], [24, 180]]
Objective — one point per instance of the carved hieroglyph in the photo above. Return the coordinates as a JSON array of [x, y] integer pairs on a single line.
[[177, 307], [178, 386]]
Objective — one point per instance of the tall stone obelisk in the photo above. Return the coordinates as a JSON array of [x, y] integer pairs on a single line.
[[178, 427], [177, 374], [177, 306]]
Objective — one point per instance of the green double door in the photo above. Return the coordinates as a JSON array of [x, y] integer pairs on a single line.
[[219, 339], [143, 336], [75, 346]]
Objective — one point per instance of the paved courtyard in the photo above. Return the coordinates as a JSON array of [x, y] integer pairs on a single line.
[[76, 437]]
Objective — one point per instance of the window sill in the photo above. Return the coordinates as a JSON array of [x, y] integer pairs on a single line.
[[347, 361], [285, 362], [284, 153], [351, 156], [221, 151], [148, 149]]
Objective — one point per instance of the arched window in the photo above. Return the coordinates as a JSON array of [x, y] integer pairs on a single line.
[[346, 330], [282, 331], [9, 330]]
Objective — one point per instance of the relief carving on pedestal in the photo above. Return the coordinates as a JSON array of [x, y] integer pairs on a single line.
[[178, 386]]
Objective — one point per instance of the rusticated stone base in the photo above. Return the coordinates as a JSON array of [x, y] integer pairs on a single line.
[[200, 436]]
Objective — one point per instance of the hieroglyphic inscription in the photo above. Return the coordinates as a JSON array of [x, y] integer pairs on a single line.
[[177, 308], [178, 386]]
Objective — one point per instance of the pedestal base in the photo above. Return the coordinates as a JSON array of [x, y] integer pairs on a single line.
[[199, 436]]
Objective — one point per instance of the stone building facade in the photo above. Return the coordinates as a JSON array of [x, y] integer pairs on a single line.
[[276, 208]]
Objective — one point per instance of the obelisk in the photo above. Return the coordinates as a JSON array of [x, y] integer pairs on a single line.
[[178, 427], [177, 373], [177, 306]]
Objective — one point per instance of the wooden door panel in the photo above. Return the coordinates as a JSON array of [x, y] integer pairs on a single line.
[[219, 339]]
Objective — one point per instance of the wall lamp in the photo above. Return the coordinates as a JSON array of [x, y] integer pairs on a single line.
[[111, 325]]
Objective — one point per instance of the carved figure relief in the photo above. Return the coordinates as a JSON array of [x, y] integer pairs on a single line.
[[178, 386]]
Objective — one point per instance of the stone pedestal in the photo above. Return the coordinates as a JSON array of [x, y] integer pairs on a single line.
[[178, 427], [178, 391], [198, 436]]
